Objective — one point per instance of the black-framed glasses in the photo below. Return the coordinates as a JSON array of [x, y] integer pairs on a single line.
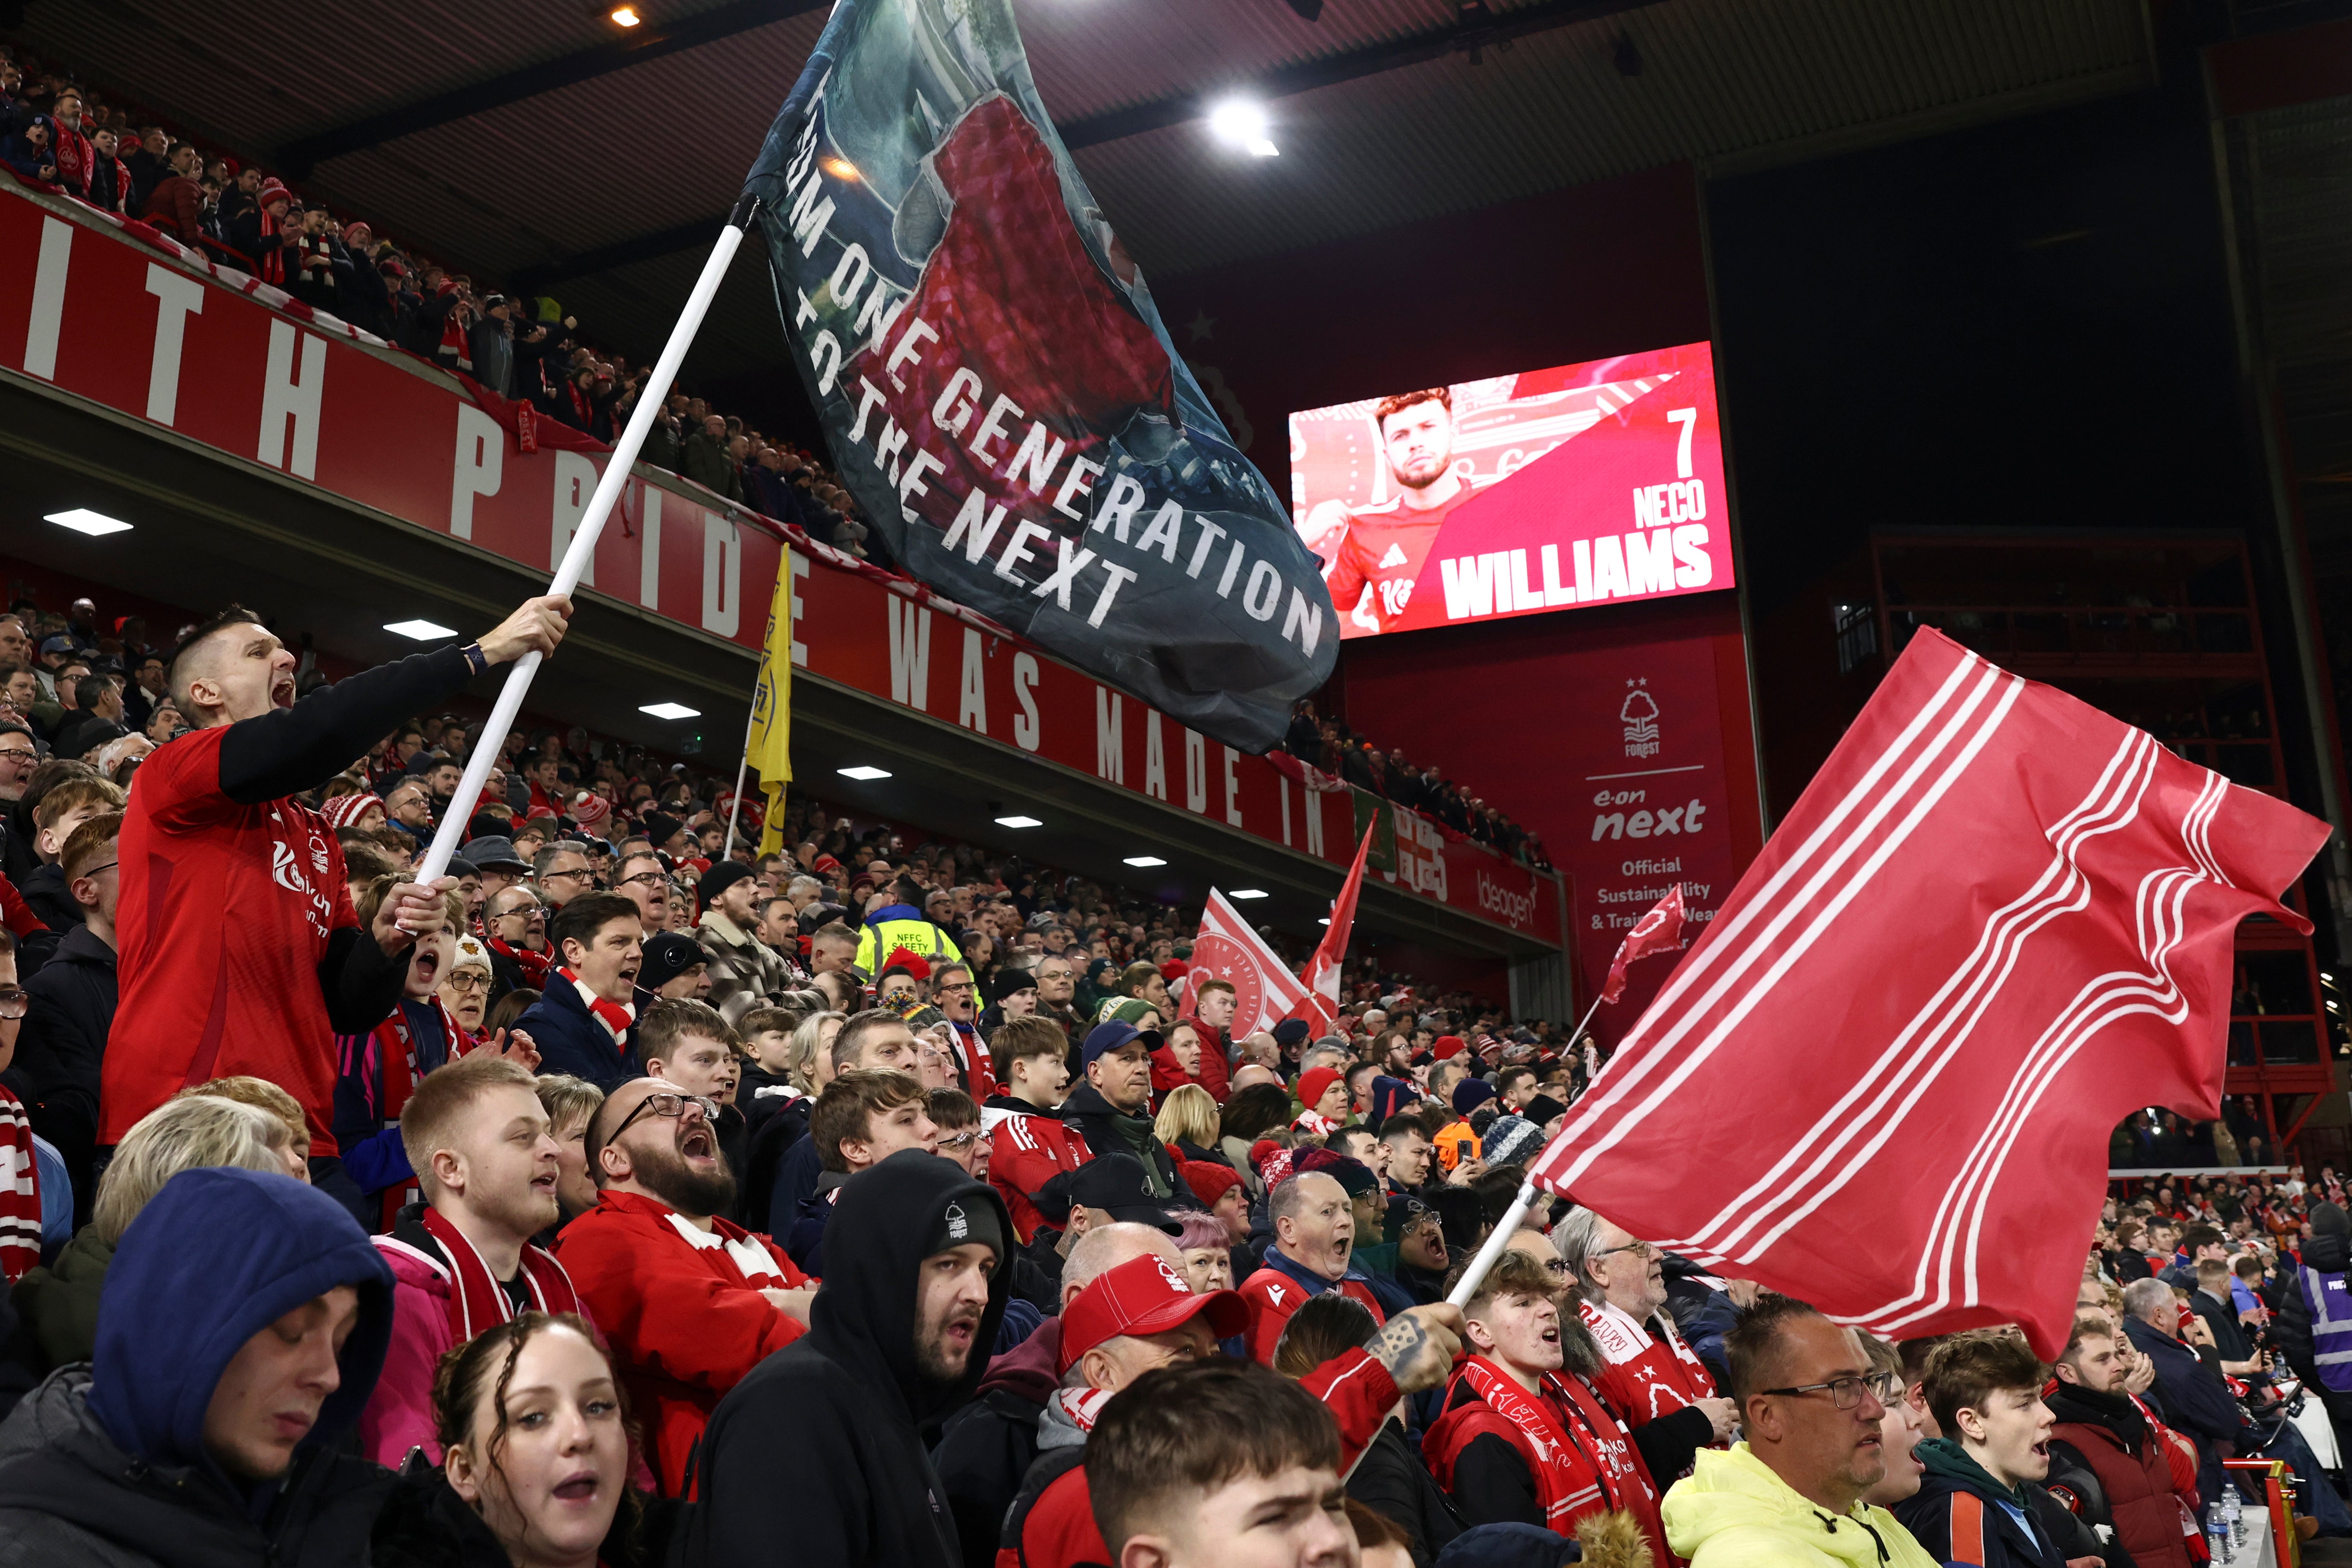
[[1642, 1249], [15, 1004], [1845, 1392], [666, 1105], [654, 877], [466, 981]]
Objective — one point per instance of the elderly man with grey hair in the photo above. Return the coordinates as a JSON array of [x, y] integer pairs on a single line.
[[1669, 1399]]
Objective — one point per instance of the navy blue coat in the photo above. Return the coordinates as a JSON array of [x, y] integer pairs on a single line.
[[570, 1041]]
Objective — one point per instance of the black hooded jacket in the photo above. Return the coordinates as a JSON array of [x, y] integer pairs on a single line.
[[841, 1410]]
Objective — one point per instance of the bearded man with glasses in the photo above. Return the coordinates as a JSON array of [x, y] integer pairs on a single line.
[[689, 1301], [1791, 1491]]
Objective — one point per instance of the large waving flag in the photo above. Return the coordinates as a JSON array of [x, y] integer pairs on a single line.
[[1228, 948], [1884, 1079], [997, 388]]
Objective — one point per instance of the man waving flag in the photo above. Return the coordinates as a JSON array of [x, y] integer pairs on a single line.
[[1884, 1077]]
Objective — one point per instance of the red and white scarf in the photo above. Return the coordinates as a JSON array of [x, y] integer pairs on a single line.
[[616, 1016], [20, 1191], [1081, 1407], [1315, 1124], [74, 156], [533, 965], [272, 247], [476, 1299]]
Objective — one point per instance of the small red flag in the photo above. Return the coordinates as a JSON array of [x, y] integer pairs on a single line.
[[1264, 990], [1883, 1079], [1660, 930], [1320, 1006]]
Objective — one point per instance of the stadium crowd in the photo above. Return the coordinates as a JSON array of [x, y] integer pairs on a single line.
[[620, 1199], [525, 349]]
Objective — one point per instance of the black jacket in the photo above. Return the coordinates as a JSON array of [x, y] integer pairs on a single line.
[[1392, 1481], [48, 896], [425, 1525], [1098, 1121], [841, 1409], [61, 1050], [74, 1499], [2228, 1334], [570, 1041], [985, 1449]]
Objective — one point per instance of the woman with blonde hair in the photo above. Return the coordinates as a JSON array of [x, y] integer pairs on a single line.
[[1188, 1123]]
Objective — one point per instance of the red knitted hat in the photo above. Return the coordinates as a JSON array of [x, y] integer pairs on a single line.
[[1448, 1047], [1314, 1083], [1208, 1180]]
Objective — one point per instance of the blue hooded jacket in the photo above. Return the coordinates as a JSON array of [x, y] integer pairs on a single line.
[[213, 1259]]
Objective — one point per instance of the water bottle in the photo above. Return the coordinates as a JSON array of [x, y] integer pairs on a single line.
[[2217, 1535], [2233, 1514]]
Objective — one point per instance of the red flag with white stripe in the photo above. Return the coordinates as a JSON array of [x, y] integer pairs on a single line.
[[1320, 1006], [1660, 930], [1883, 1079], [1228, 948]]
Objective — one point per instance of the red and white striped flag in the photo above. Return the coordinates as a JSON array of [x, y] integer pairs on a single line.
[[1883, 1079], [1228, 948], [1320, 1006]]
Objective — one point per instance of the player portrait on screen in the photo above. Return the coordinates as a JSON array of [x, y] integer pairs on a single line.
[[1382, 545]]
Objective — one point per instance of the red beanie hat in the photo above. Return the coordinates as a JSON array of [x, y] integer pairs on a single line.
[[1262, 1150], [1314, 1083], [908, 959], [1208, 1180], [1448, 1047]]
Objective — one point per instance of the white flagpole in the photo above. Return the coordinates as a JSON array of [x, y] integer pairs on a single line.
[[735, 801], [1496, 1240], [582, 549]]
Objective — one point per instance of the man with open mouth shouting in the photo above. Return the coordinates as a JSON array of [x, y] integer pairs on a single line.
[[689, 1301], [916, 1282]]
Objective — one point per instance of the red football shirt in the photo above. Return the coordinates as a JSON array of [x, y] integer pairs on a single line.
[[225, 915], [1385, 546]]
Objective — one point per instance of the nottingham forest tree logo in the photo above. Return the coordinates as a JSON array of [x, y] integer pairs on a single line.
[[1640, 714]]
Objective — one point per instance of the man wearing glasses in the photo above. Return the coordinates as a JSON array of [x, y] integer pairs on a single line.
[[957, 995], [689, 1301], [18, 757], [1791, 1492], [514, 925], [562, 872], [645, 884], [1668, 1397]]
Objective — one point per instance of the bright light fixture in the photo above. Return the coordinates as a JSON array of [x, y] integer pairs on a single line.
[[1145, 860], [1324, 922], [420, 630], [1247, 893], [1019, 821], [1238, 122], [81, 520], [863, 774], [625, 16], [670, 711]]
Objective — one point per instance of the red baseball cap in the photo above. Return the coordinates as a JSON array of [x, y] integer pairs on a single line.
[[1144, 1294]]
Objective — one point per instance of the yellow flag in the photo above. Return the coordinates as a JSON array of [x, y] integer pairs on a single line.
[[770, 745]]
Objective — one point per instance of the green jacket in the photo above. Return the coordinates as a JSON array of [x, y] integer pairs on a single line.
[[59, 1301], [1733, 1511]]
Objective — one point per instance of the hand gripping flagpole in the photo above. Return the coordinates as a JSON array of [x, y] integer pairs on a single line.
[[582, 549]]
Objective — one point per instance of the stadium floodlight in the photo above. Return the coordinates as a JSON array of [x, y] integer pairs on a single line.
[[1239, 122]]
